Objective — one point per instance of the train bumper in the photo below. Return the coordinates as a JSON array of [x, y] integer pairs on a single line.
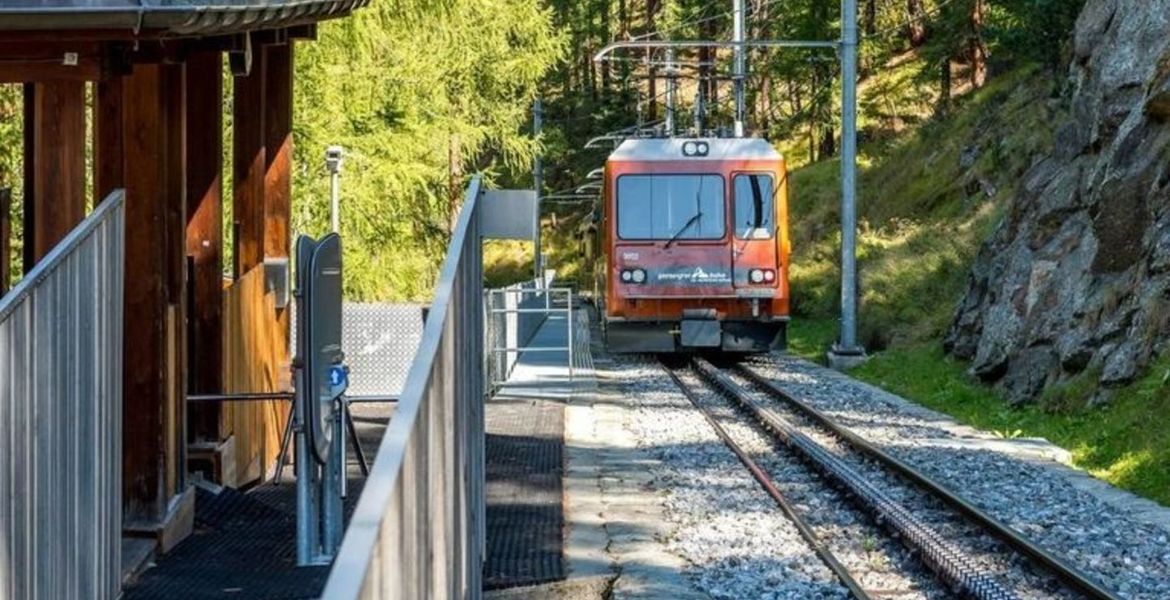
[[695, 335]]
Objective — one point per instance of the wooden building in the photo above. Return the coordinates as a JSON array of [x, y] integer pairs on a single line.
[[152, 73]]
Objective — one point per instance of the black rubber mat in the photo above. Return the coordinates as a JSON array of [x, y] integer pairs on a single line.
[[525, 519], [244, 543]]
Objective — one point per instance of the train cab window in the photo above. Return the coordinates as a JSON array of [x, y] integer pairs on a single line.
[[670, 207], [754, 209]]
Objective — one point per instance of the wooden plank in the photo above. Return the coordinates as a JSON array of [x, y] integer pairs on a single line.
[[152, 345], [255, 360], [205, 237], [107, 138], [248, 161], [55, 161], [49, 60]]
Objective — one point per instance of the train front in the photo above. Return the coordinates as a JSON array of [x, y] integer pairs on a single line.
[[695, 232]]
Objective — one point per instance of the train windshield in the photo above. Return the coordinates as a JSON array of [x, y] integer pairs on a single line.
[[670, 207], [754, 208]]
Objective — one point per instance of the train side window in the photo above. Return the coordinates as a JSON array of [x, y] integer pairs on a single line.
[[754, 208]]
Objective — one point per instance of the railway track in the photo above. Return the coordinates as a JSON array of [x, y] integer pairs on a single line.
[[965, 549]]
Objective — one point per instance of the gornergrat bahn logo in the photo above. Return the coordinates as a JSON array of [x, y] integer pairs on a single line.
[[696, 276]]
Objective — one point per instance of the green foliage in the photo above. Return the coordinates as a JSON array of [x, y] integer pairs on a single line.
[[420, 94], [1033, 30], [11, 152]]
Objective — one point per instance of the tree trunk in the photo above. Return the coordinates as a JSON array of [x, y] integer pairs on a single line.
[[870, 17], [606, 37], [944, 97], [454, 182], [828, 143], [917, 20], [977, 47]]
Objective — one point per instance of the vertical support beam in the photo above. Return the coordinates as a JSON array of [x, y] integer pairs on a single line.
[[108, 156], [671, 91], [248, 165], [537, 184], [278, 149], [847, 346], [54, 164], [175, 236], [5, 238], [205, 236], [740, 67], [153, 422]]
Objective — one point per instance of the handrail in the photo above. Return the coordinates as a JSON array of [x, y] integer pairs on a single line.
[[432, 378], [60, 252]]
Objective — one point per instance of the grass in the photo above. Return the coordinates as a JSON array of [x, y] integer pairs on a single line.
[[1125, 441], [930, 194]]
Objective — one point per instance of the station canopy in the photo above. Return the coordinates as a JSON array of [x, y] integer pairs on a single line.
[[168, 17]]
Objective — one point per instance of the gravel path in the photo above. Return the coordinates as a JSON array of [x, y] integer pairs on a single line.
[[1127, 554], [739, 545]]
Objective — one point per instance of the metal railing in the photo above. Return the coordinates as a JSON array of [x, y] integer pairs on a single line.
[[418, 529], [521, 311], [61, 418]]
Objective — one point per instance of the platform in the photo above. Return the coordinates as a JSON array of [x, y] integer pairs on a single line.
[[244, 543], [569, 514]]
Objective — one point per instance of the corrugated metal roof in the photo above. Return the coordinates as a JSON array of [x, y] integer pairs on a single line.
[[659, 149], [179, 17]]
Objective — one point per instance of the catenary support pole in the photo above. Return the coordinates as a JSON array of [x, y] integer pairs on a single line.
[[537, 184], [740, 67], [847, 345], [671, 92]]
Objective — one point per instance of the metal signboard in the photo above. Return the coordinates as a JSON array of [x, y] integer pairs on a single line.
[[508, 214]]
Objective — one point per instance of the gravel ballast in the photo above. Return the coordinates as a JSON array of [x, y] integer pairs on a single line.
[[1125, 551]]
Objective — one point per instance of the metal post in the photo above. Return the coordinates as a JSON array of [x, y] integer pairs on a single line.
[[847, 345], [306, 514], [334, 155], [537, 184], [740, 67], [698, 111], [569, 313], [671, 91]]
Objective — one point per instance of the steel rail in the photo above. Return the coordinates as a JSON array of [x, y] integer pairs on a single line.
[[822, 551], [949, 563], [1068, 574]]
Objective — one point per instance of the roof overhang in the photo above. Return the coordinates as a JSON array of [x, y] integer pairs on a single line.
[[176, 18]]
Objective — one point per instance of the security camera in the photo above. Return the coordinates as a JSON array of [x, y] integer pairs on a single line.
[[334, 155]]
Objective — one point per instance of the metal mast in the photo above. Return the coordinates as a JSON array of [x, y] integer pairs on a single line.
[[740, 68], [847, 346], [671, 91], [537, 184]]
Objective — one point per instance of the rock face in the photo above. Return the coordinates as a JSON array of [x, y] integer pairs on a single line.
[[1077, 275]]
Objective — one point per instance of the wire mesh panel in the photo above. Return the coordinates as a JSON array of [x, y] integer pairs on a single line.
[[61, 418], [418, 529], [379, 341]]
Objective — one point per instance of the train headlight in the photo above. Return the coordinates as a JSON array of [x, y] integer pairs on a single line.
[[761, 276], [639, 276], [627, 276], [695, 148]]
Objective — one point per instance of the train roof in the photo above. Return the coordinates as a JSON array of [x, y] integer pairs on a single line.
[[663, 149]]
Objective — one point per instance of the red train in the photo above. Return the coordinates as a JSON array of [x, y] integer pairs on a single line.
[[695, 240]]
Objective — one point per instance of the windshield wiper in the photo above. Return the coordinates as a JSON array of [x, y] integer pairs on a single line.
[[685, 227]]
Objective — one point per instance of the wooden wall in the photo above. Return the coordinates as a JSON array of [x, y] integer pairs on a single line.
[[256, 359]]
